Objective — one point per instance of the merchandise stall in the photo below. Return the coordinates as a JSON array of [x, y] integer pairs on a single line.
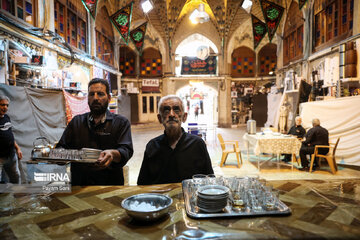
[[241, 101]]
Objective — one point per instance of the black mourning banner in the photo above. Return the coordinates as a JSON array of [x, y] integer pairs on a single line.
[[122, 21], [259, 30], [138, 36], [272, 15], [196, 66]]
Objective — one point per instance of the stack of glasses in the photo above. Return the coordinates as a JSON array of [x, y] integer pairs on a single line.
[[252, 195], [212, 198], [90, 154]]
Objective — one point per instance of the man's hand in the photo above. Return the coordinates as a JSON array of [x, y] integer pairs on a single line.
[[105, 159], [19, 153], [107, 156]]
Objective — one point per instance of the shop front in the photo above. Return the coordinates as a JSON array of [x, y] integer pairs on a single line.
[[148, 100]]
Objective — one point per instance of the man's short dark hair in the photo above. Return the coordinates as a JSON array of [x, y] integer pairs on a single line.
[[102, 81]]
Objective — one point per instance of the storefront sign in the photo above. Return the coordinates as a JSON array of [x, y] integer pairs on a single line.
[[150, 85], [195, 66], [37, 60]]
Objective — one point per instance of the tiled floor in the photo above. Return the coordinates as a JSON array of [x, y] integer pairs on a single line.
[[271, 171]]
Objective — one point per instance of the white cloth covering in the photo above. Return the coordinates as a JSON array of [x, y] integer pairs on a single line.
[[341, 117], [274, 101]]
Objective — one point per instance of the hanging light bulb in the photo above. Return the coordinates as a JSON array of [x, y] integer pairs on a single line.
[[202, 16], [199, 15]]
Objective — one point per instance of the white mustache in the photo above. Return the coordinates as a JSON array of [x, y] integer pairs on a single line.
[[173, 120]]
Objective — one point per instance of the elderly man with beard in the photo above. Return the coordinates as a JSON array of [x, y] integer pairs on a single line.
[[174, 155], [99, 129]]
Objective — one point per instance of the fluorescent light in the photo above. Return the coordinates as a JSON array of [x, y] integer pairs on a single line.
[[246, 4], [147, 6]]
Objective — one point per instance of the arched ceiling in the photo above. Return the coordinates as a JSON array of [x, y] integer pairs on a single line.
[[167, 15]]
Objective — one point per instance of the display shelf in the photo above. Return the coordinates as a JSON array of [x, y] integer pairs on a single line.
[[113, 105]]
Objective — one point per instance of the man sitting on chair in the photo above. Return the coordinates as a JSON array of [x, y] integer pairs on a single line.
[[298, 131], [175, 155], [317, 135]]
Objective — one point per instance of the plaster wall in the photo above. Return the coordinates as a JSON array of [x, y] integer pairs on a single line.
[[224, 103]]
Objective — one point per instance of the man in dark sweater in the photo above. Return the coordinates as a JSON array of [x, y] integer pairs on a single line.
[[174, 155], [317, 135], [298, 131], [99, 129]]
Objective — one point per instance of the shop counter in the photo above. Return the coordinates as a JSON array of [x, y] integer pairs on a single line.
[[320, 210]]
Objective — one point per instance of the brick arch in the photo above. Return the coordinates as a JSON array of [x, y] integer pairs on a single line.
[[151, 63], [243, 62], [267, 59], [127, 61]]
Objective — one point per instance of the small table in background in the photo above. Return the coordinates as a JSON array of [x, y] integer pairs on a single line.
[[272, 143]]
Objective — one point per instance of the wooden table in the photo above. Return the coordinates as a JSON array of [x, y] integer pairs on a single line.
[[273, 144], [320, 210]]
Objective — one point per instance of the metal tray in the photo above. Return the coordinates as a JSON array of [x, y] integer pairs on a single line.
[[62, 160], [193, 211]]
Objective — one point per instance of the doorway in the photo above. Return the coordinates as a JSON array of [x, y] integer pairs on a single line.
[[148, 104], [200, 102]]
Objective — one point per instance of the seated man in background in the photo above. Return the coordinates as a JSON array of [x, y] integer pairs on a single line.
[[298, 131], [99, 129], [316, 135], [174, 155]]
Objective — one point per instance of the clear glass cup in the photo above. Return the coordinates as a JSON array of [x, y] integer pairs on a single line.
[[211, 179], [220, 180], [198, 180], [269, 201]]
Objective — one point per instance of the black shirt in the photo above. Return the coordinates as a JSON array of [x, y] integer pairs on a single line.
[[298, 131], [113, 133], [162, 164], [7, 147], [317, 136]]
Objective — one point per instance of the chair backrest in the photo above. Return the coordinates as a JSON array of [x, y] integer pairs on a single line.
[[221, 140], [336, 144]]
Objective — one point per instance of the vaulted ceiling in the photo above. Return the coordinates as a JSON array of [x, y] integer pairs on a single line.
[[167, 15]]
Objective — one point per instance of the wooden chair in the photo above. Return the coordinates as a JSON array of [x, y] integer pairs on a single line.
[[225, 151], [330, 156]]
